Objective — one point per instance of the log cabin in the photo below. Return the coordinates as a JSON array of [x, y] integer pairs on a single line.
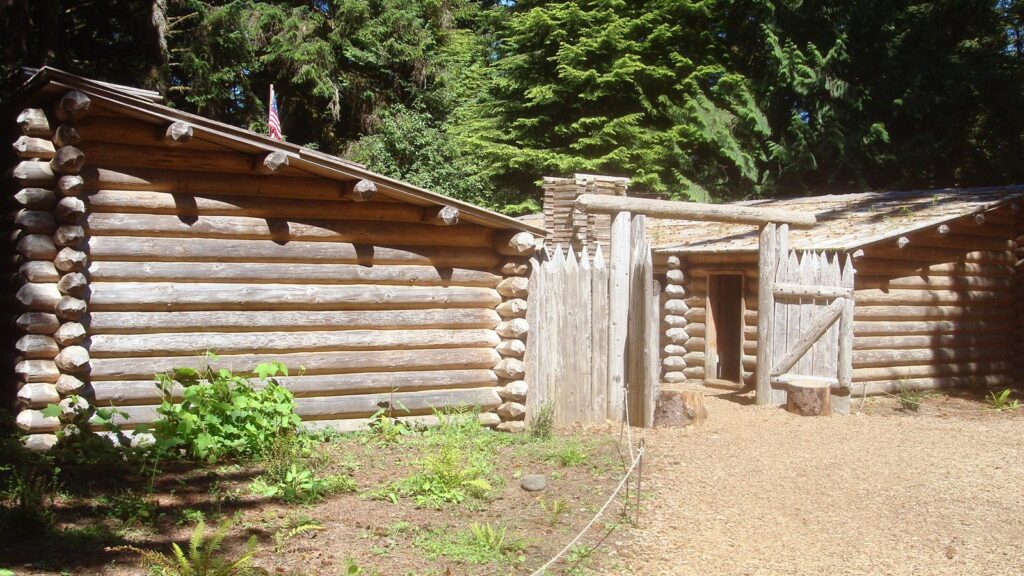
[[936, 291], [139, 236]]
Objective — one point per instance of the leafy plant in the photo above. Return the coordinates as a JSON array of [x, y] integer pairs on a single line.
[[129, 509], [1002, 401], [202, 558], [542, 422], [568, 452], [477, 544], [384, 427], [300, 484], [295, 528], [25, 501], [553, 510], [222, 415], [910, 399]]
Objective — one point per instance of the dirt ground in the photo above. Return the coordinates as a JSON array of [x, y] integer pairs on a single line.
[[758, 491]]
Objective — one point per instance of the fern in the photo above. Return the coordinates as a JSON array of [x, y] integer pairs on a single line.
[[202, 558]]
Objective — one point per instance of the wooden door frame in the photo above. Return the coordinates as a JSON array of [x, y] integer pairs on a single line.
[[710, 328]]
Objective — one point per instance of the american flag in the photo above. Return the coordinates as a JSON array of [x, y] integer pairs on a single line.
[[273, 122]]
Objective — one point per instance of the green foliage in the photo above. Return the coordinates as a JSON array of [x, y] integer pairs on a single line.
[[295, 527], [542, 422], [553, 510], [477, 544], [292, 472], [26, 500], [910, 399], [203, 557], [128, 508], [568, 452], [223, 415], [458, 464], [1002, 401], [384, 428]]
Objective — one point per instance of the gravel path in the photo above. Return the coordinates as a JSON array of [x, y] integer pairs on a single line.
[[759, 491]]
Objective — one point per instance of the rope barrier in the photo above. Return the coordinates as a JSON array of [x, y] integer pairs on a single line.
[[600, 512]]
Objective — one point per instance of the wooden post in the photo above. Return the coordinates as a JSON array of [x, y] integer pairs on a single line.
[[767, 259], [618, 311]]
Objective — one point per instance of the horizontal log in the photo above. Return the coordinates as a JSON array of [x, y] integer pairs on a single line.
[[36, 198], [66, 135], [700, 274], [514, 287], [162, 344], [30, 173], [931, 384], [350, 425], [39, 271], [71, 185], [929, 370], [213, 250], [364, 405], [988, 340], [67, 160], [162, 157], [142, 392], [35, 221], [877, 267], [39, 297], [177, 133], [33, 122], [189, 272], [34, 148], [929, 327], [38, 323], [412, 403], [245, 228], [787, 290], [37, 247], [37, 371], [910, 297], [37, 346], [921, 313], [72, 107], [677, 335], [964, 242], [695, 345], [37, 395], [674, 321], [694, 329], [601, 204], [169, 297], [693, 372], [514, 308], [142, 202], [71, 260], [926, 356], [515, 267], [677, 363], [939, 255], [514, 243], [314, 363], [210, 183], [33, 422], [161, 322], [966, 283], [674, 350], [699, 259]]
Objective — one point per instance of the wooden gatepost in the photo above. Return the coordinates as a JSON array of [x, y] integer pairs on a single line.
[[597, 326]]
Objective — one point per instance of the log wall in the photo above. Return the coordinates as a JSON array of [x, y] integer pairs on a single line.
[[140, 247], [930, 315]]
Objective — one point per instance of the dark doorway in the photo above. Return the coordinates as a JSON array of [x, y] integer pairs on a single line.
[[724, 346]]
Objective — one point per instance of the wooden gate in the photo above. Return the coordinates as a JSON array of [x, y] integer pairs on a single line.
[[592, 352], [810, 322]]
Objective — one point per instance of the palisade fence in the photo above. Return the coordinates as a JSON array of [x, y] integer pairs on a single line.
[[578, 356]]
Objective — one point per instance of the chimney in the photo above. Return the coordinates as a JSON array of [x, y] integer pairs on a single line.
[[568, 227]]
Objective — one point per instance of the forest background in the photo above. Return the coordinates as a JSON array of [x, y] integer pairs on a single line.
[[711, 100]]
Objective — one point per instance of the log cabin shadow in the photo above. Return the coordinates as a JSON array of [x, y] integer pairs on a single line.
[[186, 208]]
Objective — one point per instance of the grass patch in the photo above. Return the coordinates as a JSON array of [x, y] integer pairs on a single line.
[[909, 398], [475, 544]]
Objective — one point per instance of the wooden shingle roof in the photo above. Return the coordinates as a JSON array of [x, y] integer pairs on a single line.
[[845, 221]]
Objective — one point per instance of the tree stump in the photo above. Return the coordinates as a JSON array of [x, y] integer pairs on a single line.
[[680, 408], [809, 398]]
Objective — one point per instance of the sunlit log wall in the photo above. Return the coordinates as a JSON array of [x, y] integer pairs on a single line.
[[937, 308], [141, 246]]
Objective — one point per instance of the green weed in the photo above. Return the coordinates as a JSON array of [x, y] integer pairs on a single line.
[[202, 557], [568, 452], [129, 508], [25, 502], [553, 511], [910, 399], [1002, 401], [477, 544], [293, 528], [542, 422]]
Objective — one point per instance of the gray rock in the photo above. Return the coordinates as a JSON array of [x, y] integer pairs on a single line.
[[533, 482]]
